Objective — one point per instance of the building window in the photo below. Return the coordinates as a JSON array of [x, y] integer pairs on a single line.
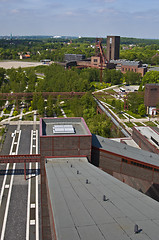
[[95, 60], [124, 160]]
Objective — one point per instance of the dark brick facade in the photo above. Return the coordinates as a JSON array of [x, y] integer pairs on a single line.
[[151, 95], [113, 163], [143, 142], [66, 145], [113, 47]]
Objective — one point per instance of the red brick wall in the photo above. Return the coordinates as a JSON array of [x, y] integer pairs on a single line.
[[151, 97], [143, 142]]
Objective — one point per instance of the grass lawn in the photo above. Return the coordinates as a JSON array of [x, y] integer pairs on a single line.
[[2, 131], [138, 124], [150, 124], [130, 124], [15, 119], [28, 117]]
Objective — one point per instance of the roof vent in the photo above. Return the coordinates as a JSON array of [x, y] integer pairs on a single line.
[[104, 198], [136, 229], [71, 165], [87, 181], [77, 172]]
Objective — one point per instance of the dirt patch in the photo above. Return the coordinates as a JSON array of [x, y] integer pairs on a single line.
[[17, 64]]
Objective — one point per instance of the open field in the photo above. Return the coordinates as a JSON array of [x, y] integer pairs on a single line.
[[17, 64]]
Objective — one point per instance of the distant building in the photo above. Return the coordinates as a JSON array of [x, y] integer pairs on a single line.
[[113, 47], [109, 60], [134, 66], [151, 98], [24, 56], [74, 57]]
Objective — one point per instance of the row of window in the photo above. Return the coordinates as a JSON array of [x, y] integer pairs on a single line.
[[128, 69], [140, 165]]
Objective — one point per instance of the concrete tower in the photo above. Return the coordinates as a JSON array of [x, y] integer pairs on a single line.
[[113, 47]]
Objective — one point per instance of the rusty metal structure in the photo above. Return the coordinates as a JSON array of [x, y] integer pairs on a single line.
[[19, 158], [101, 54]]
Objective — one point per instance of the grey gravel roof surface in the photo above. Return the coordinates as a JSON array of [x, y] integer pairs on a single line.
[[80, 212], [125, 150]]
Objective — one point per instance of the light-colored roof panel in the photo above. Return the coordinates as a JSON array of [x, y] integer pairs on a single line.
[[149, 228], [79, 213], [69, 234], [98, 213], [90, 233], [82, 192], [113, 231], [79, 208], [63, 129]]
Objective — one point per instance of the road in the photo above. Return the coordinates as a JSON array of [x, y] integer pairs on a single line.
[[20, 198]]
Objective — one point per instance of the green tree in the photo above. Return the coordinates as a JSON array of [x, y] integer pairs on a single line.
[[41, 105], [142, 110], [34, 102], [132, 78], [151, 77], [134, 100], [2, 75], [15, 113], [49, 110]]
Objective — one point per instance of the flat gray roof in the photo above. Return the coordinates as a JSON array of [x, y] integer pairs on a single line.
[[80, 212], [126, 62], [127, 141], [125, 150], [150, 134], [78, 124]]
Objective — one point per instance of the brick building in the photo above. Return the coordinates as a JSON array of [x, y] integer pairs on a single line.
[[147, 138], [151, 98], [118, 158], [133, 66], [60, 137]]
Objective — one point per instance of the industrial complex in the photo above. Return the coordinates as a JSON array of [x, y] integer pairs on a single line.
[[82, 201], [81, 197], [70, 184], [109, 59]]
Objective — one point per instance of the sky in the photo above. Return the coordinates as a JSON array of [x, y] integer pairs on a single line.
[[86, 18]]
